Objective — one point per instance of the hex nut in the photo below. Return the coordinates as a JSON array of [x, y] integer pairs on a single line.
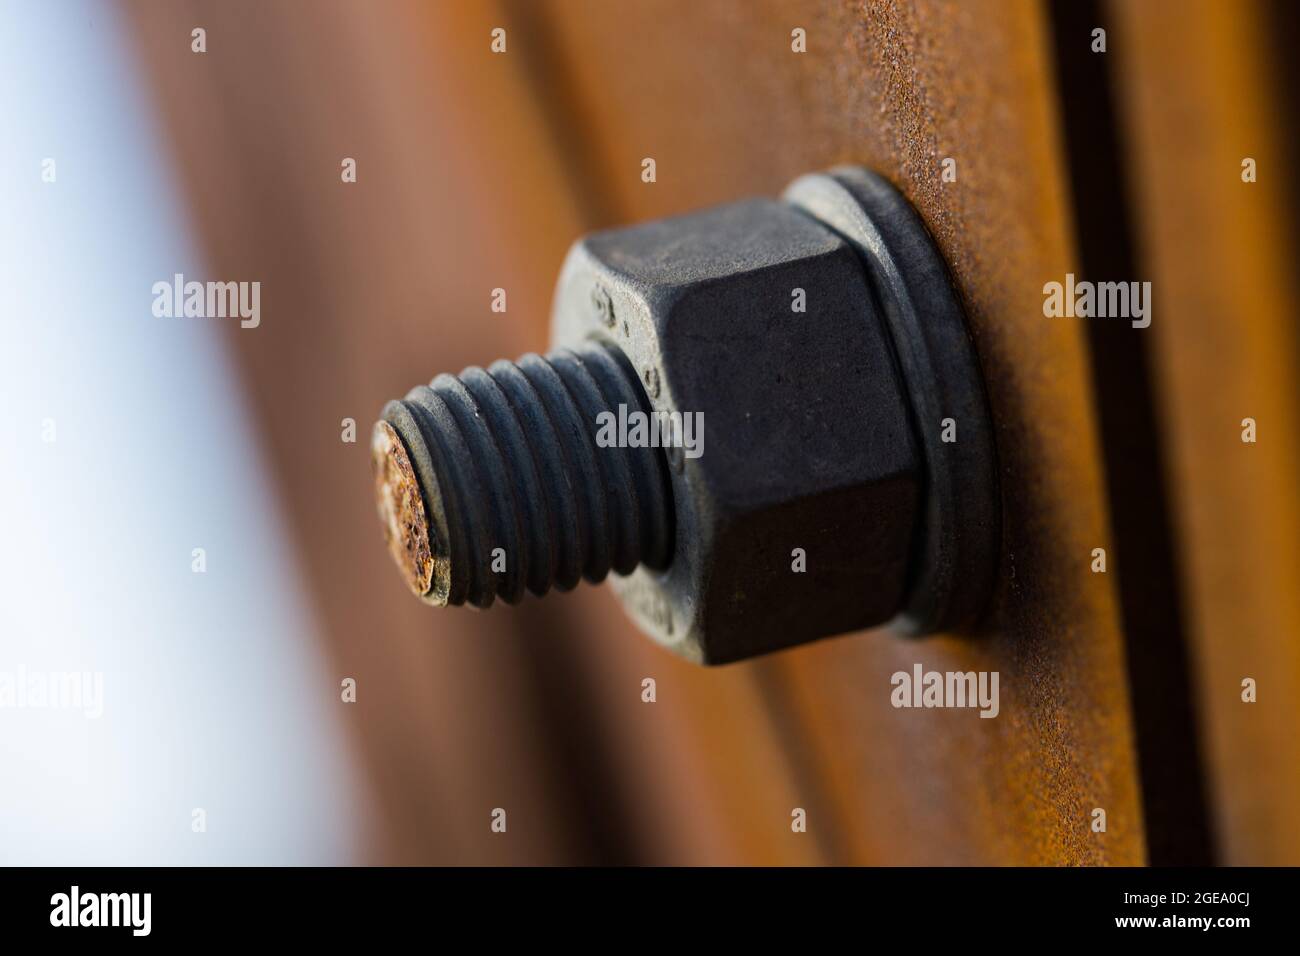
[[807, 445]]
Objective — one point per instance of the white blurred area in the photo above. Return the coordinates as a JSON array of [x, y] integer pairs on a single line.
[[216, 695]]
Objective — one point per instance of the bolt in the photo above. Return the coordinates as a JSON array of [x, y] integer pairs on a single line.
[[823, 434], [491, 482]]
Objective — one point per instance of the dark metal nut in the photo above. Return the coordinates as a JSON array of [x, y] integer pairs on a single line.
[[807, 444]]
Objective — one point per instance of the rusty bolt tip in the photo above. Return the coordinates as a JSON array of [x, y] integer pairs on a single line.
[[414, 546]]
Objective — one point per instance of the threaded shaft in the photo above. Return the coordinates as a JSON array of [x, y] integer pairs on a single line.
[[513, 490]]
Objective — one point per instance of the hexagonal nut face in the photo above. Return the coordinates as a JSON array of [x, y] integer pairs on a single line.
[[796, 496]]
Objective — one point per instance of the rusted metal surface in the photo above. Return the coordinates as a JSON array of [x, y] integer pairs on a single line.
[[1202, 91], [900, 87], [1145, 554], [466, 184]]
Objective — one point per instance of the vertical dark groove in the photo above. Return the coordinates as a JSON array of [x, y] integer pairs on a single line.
[[1179, 828], [1284, 30]]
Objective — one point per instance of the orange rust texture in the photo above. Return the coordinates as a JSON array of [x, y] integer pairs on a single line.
[[1199, 97], [475, 172], [401, 509], [714, 94]]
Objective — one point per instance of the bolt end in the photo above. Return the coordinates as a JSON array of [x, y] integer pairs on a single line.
[[417, 549]]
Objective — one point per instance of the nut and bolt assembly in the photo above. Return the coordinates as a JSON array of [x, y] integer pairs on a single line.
[[848, 478]]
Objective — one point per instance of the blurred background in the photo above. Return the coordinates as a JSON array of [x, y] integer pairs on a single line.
[[131, 440]]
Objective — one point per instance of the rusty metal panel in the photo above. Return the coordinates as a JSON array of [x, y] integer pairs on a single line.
[[734, 112], [1203, 89], [475, 172]]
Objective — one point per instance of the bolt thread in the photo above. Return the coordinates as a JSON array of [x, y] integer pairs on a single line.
[[510, 471]]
